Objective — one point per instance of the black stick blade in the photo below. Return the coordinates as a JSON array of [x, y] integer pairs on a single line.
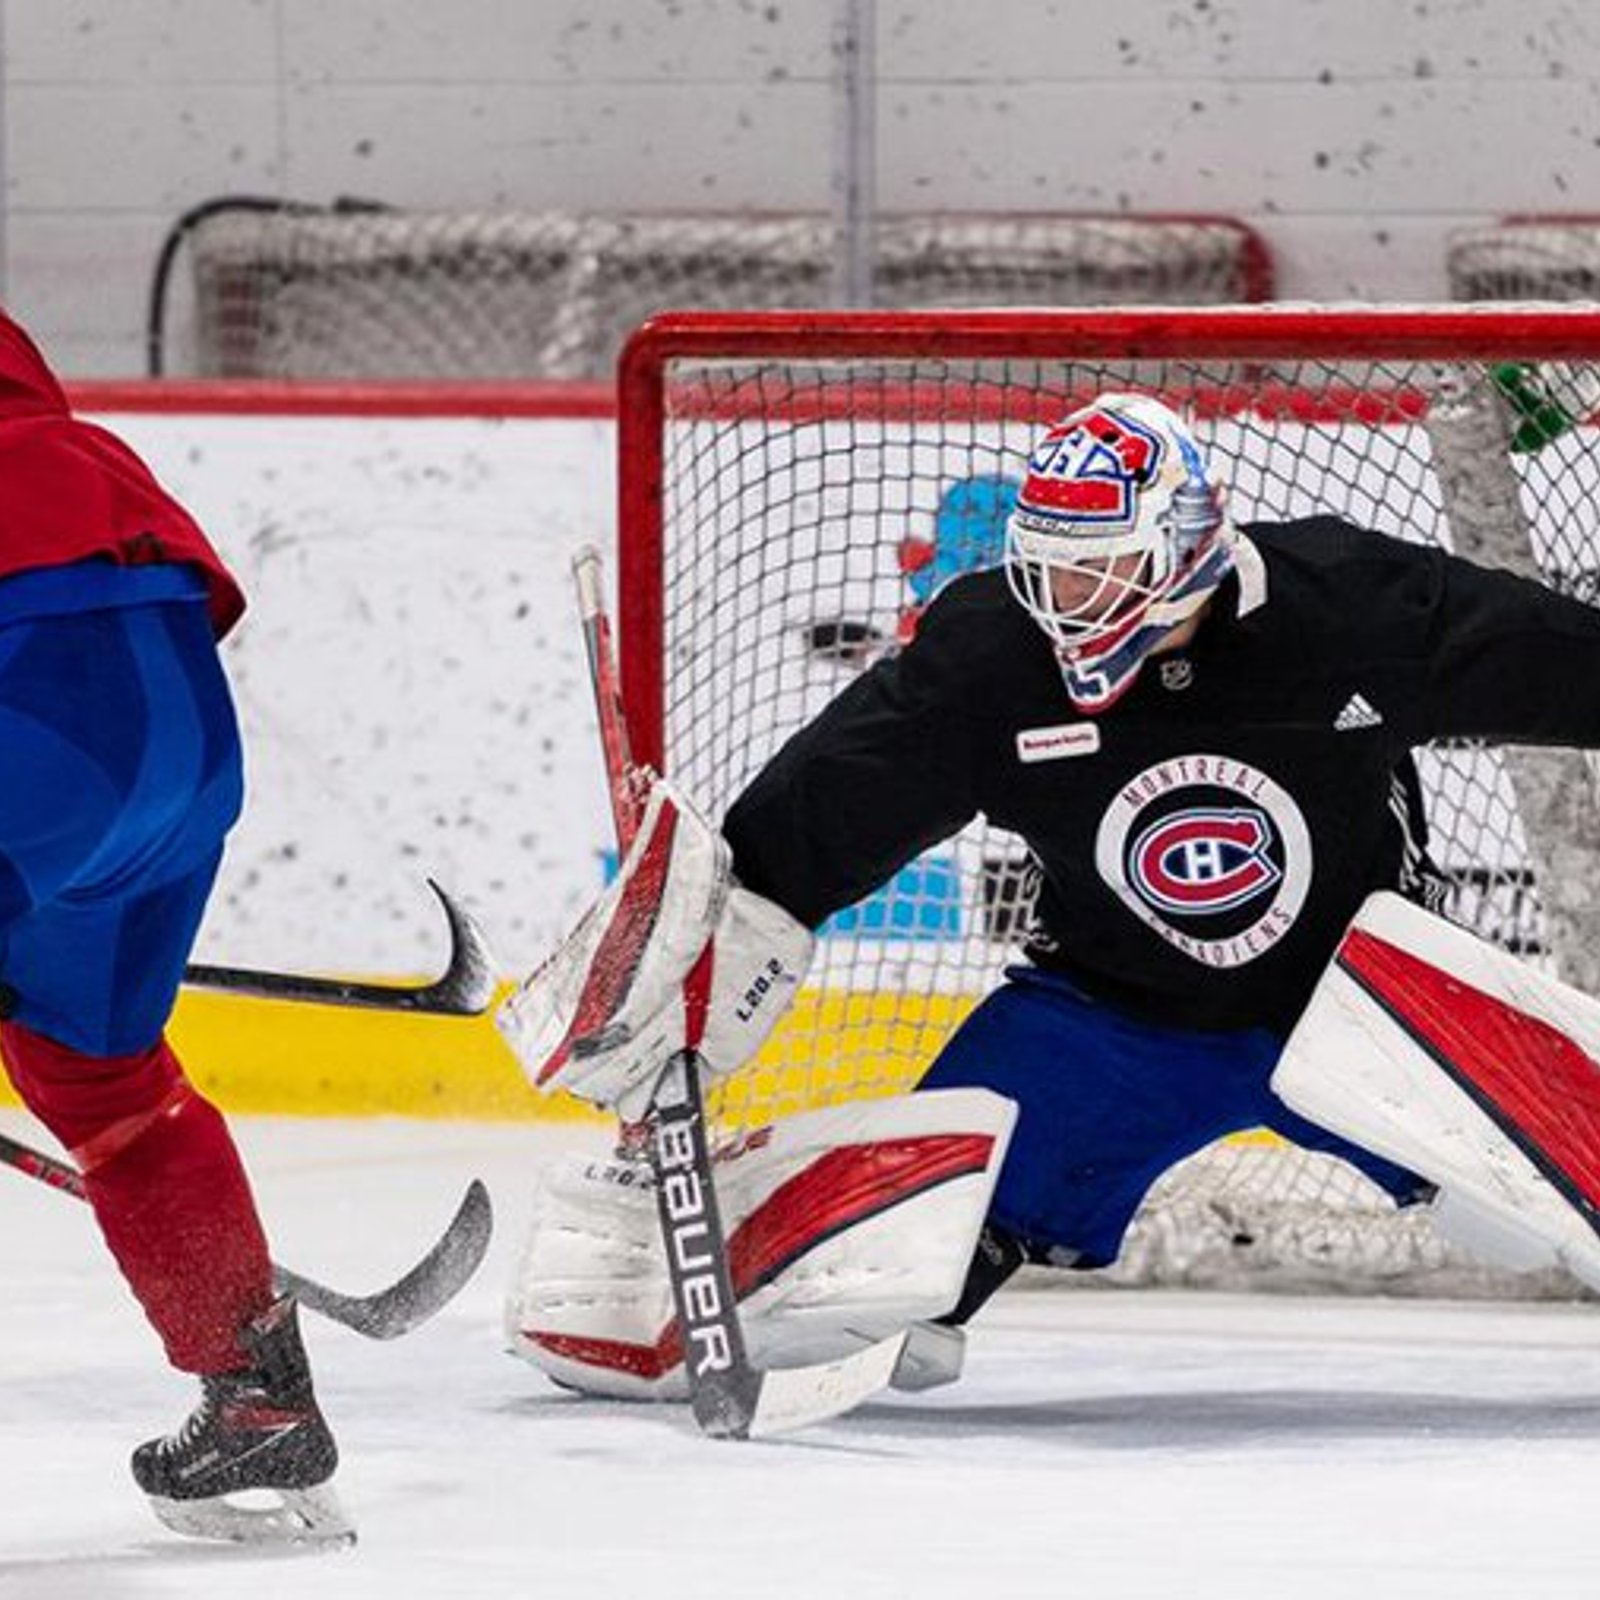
[[425, 1290], [464, 989]]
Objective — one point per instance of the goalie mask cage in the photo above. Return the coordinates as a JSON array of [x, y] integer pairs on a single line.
[[794, 487]]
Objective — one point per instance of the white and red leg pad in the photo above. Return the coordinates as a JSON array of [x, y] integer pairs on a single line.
[[843, 1226], [1452, 1057]]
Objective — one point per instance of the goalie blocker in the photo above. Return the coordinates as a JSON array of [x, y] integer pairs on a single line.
[[603, 1016], [1450, 1056]]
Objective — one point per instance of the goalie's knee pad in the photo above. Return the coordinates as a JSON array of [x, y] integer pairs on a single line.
[[844, 1226]]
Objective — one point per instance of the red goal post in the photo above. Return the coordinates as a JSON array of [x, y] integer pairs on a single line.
[[793, 485]]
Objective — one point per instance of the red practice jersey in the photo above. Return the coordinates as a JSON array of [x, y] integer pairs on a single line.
[[70, 491]]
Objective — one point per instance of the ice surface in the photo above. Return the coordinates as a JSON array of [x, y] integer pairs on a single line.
[[1103, 1443]]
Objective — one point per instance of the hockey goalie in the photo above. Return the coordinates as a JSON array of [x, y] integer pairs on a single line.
[[844, 1226], [1422, 1044], [1202, 732]]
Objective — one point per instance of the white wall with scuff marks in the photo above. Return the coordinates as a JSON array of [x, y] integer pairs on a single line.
[[410, 677], [1355, 135]]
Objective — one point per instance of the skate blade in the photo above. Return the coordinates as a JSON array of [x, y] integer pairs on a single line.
[[308, 1517], [933, 1355]]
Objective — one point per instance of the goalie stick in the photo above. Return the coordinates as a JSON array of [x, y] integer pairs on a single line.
[[430, 1285], [729, 1397], [463, 989]]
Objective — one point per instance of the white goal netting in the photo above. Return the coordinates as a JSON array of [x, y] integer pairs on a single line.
[[797, 488], [294, 291], [1527, 259]]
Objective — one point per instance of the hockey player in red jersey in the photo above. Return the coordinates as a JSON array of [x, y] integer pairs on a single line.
[[123, 776]]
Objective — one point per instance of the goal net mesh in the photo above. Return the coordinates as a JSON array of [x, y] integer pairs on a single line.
[[302, 292], [1529, 258], [808, 504]]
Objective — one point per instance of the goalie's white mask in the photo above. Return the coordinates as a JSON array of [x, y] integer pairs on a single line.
[[1116, 538]]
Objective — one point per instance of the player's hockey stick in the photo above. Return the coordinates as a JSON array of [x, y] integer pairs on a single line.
[[730, 1398], [464, 989], [435, 1280]]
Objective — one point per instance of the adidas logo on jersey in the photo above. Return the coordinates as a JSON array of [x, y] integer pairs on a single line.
[[1358, 712]]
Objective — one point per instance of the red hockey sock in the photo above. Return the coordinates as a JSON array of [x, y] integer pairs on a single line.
[[167, 1187]]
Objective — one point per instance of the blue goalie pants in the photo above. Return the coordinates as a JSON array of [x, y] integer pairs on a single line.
[[1108, 1103], [123, 775]]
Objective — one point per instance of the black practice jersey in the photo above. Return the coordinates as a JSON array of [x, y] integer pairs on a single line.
[[1204, 842]]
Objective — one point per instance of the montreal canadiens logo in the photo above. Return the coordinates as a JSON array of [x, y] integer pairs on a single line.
[[1209, 853], [1204, 860], [1091, 470]]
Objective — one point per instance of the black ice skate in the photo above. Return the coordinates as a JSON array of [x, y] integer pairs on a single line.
[[258, 1429]]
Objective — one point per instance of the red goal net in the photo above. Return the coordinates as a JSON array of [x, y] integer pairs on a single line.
[[794, 487]]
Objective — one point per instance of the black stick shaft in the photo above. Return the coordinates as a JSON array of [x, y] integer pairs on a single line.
[[723, 1386]]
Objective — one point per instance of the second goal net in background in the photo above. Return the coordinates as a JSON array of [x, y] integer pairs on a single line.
[[795, 487], [1527, 258], [286, 290]]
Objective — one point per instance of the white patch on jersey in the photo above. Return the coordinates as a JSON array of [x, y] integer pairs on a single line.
[[1057, 743], [1210, 854]]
